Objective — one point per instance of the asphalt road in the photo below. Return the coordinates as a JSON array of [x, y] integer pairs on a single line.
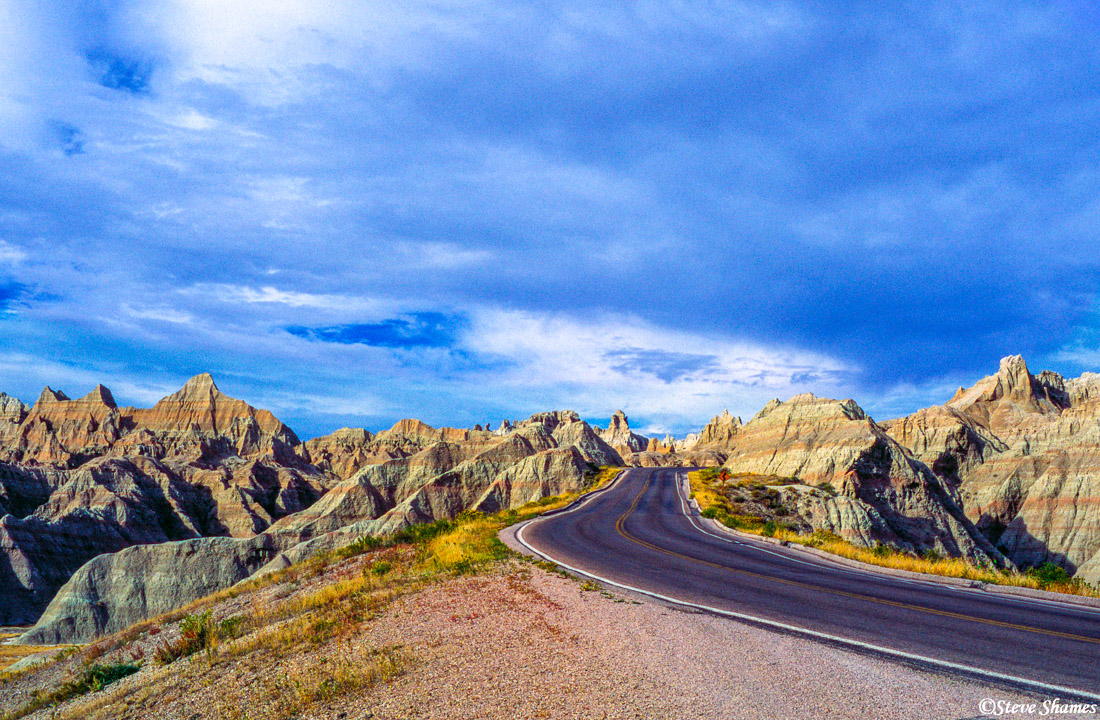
[[641, 534]]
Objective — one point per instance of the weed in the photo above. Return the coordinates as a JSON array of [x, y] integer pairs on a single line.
[[93, 678], [380, 567]]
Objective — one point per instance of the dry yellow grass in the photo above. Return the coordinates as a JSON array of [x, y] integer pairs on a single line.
[[708, 497], [11, 654], [298, 631]]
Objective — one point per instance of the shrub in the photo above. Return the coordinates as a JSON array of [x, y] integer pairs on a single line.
[[1049, 574], [380, 567], [932, 555], [197, 632], [94, 678], [769, 529]]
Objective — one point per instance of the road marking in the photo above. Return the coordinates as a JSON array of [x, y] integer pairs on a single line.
[[825, 564], [1058, 690], [619, 527]]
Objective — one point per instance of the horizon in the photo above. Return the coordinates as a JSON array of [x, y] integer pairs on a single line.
[[598, 421], [354, 213]]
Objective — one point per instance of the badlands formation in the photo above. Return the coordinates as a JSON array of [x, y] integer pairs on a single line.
[[1008, 469], [110, 515]]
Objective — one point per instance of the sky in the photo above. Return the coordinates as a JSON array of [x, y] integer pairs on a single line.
[[355, 212]]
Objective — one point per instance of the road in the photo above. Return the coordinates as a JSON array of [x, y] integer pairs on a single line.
[[642, 535]]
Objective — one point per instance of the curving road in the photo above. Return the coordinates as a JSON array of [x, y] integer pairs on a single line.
[[641, 535]]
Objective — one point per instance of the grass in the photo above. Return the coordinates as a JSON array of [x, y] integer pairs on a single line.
[[705, 489], [11, 654], [302, 633], [92, 678]]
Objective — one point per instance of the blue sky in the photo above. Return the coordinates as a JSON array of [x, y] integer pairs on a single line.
[[355, 212]]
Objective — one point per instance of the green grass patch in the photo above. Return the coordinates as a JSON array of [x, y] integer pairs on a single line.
[[92, 678]]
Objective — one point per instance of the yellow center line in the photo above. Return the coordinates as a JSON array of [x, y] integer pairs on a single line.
[[943, 613]]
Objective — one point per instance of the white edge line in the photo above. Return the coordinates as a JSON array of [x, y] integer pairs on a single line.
[[824, 563], [878, 649]]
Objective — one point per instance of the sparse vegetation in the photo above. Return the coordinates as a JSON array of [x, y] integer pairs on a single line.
[[708, 486], [327, 600], [92, 679], [11, 654]]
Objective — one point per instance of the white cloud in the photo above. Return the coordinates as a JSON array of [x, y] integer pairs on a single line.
[[162, 314], [268, 295], [258, 45], [681, 378], [11, 254]]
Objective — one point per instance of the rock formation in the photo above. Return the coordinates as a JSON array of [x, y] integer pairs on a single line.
[[619, 435], [720, 431], [1023, 452], [84, 477], [885, 494], [114, 591], [132, 512]]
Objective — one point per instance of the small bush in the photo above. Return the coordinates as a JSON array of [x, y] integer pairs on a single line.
[[231, 628], [94, 678], [380, 567], [197, 632], [1048, 574], [769, 529]]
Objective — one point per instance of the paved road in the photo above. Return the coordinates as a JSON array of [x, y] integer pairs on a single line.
[[642, 534]]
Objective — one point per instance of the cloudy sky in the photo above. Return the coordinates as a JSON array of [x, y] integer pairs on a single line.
[[355, 212]]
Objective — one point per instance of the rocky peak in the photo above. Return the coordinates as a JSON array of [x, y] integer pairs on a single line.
[[619, 435], [49, 395], [768, 407], [197, 389], [551, 420], [99, 396], [12, 409], [720, 430], [993, 400]]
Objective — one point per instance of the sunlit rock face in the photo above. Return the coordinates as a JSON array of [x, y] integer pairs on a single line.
[[83, 477], [205, 484], [884, 493], [1023, 453], [619, 435]]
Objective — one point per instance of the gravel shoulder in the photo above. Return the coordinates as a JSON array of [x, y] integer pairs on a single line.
[[517, 641]]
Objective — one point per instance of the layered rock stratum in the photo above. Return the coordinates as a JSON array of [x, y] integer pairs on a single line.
[[1022, 451], [112, 514], [109, 514]]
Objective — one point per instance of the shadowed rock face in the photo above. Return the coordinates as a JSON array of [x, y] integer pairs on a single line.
[[885, 494], [114, 591], [79, 478], [201, 464], [1023, 452]]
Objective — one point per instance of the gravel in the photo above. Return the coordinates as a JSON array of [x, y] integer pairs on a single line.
[[520, 642]]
